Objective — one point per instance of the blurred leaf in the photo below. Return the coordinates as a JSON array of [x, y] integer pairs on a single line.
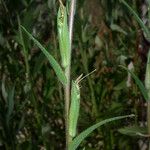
[[45, 129], [10, 103], [138, 82], [98, 42], [121, 59], [2, 40], [4, 92], [76, 141], [120, 86], [115, 27], [133, 131], [59, 72], [21, 123], [141, 23]]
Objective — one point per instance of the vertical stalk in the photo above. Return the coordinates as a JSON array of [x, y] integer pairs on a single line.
[[68, 72], [67, 103]]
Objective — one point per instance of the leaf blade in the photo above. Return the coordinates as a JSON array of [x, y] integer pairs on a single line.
[[138, 82], [58, 70], [141, 23], [76, 142]]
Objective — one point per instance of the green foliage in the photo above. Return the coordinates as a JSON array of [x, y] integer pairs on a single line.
[[74, 108], [32, 102], [141, 23], [63, 36], [134, 131], [75, 143], [139, 83], [59, 72]]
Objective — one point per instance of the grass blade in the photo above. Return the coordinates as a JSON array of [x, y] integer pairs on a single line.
[[58, 70], [138, 82], [137, 18], [133, 131], [76, 142]]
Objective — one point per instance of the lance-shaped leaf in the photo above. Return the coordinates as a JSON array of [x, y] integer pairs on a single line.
[[76, 141], [58, 70], [138, 82], [141, 23]]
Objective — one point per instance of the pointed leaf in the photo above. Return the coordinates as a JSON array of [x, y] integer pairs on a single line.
[[76, 141], [59, 72], [133, 131], [138, 82], [141, 23]]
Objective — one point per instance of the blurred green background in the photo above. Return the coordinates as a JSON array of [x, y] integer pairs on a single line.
[[31, 98]]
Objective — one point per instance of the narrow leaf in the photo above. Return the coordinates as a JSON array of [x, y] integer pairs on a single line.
[[138, 82], [59, 72], [133, 131], [141, 23], [76, 142], [74, 109], [115, 27]]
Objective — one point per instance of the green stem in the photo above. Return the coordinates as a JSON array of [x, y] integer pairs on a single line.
[[68, 74], [67, 103]]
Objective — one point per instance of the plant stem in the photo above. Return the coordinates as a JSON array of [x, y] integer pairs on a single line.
[[71, 19], [68, 72], [67, 103]]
